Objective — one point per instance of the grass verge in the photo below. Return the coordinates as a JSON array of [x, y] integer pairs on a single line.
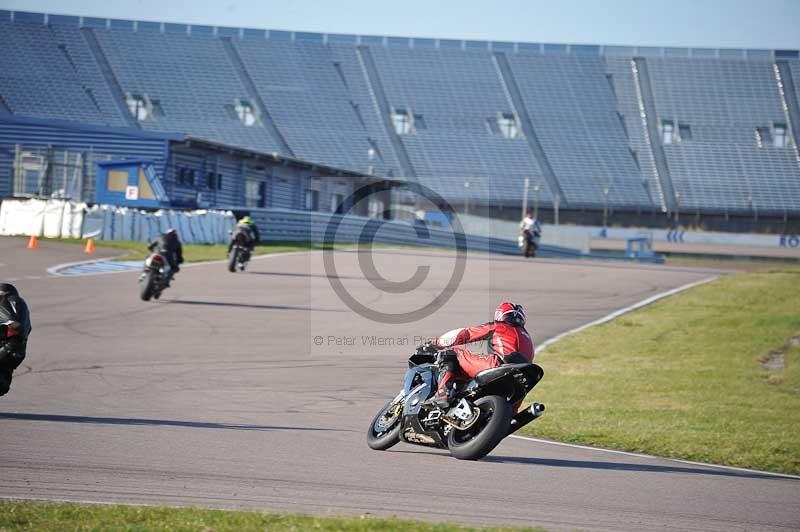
[[712, 374], [21, 515]]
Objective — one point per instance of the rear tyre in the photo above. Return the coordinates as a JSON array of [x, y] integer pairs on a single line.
[[233, 257], [490, 429], [146, 289], [384, 432]]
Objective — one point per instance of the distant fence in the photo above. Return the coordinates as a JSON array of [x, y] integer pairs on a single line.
[[556, 236], [307, 226], [67, 219]]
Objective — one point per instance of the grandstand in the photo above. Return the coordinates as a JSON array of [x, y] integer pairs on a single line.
[[710, 133]]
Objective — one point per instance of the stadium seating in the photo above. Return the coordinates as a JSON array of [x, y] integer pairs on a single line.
[[482, 116]]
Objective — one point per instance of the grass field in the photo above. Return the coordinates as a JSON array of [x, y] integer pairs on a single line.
[[48, 517], [712, 374]]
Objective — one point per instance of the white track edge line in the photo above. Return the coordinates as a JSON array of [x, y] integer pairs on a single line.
[[606, 319], [617, 313], [654, 457]]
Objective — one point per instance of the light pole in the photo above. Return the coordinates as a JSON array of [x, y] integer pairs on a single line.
[[370, 158], [605, 207], [536, 189], [677, 209], [466, 197], [526, 185], [646, 185], [752, 206], [556, 204]]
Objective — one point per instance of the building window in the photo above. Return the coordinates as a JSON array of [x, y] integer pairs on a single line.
[[256, 194], [780, 138], [507, 125], [763, 136], [403, 121], [185, 176], [117, 180], [337, 201], [245, 112], [145, 190], [667, 132], [214, 181], [684, 132], [139, 107], [311, 200]]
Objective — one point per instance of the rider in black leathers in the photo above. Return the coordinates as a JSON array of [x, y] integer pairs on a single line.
[[248, 228], [169, 245], [15, 327]]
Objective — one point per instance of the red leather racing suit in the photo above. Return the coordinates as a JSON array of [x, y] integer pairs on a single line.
[[502, 339]]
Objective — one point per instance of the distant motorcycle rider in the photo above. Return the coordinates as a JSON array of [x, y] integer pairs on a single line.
[[170, 247], [507, 340], [530, 229], [15, 327], [249, 234]]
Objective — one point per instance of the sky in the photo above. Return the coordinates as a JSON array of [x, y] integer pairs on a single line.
[[685, 23]]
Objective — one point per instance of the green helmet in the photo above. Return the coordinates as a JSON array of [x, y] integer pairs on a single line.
[[246, 220]]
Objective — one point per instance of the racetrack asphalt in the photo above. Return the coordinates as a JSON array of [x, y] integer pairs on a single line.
[[255, 390]]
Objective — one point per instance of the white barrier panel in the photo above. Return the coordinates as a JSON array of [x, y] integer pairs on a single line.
[[60, 218], [53, 216], [22, 217], [552, 235], [689, 237], [73, 218]]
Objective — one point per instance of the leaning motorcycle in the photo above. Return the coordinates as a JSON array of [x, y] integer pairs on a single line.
[[153, 280], [239, 255], [529, 242], [478, 418]]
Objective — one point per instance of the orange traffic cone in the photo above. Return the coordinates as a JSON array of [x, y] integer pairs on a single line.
[[89, 247], [33, 243]]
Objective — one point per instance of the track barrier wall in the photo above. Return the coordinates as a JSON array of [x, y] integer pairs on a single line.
[[66, 219]]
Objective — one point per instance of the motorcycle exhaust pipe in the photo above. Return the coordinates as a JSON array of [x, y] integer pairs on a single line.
[[526, 416]]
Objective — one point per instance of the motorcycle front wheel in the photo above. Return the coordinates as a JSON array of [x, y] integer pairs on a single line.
[[489, 430], [147, 285], [384, 431]]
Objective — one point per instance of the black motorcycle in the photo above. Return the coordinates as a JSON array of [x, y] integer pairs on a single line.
[[529, 242], [239, 255], [153, 280], [477, 420]]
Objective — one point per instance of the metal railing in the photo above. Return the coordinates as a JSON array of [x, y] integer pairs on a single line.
[[308, 226]]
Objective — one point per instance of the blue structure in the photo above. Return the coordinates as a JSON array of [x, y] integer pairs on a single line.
[[129, 183], [711, 132]]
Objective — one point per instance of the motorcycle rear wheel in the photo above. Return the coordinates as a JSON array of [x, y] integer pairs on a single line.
[[233, 258], [389, 428], [488, 431]]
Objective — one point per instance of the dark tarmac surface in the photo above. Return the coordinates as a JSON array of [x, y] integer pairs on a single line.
[[255, 390]]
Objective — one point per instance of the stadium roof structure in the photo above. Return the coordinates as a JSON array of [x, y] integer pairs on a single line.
[[393, 41]]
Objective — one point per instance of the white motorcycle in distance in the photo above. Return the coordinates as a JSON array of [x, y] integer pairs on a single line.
[[154, 277], [530, 235]]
